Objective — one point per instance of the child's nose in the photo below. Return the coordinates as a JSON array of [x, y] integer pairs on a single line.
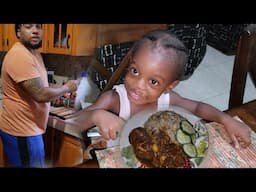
[[140, 83]]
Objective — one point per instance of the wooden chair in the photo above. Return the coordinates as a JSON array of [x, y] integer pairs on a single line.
[[245, 63]]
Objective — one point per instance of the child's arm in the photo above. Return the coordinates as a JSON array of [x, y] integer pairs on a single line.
[[101, 114], [237, 130]]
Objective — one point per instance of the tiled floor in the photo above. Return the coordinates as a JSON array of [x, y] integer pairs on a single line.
[[211, 80]]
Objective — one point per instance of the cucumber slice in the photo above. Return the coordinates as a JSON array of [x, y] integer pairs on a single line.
[[201, 146], [182, 137], [187, 127], [193, 138], [190, 150], [195, 162]]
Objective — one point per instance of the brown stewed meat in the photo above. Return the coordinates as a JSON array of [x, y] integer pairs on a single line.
[[155, 144]]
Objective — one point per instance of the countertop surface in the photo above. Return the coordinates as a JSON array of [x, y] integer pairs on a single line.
[[78, 132], [59, 124]]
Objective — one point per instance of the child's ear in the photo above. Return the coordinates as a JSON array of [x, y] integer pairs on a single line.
[[171, 86]]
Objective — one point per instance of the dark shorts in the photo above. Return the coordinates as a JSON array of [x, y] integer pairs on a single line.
[[23, 151]]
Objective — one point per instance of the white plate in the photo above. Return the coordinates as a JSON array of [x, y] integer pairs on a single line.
[[138, 121]]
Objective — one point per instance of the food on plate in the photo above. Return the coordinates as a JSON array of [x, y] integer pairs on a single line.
[[166, 140]]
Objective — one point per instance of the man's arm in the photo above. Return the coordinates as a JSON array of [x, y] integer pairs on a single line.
[[34, 87]]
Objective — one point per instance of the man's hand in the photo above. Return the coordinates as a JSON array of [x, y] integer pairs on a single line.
[[72, 85]]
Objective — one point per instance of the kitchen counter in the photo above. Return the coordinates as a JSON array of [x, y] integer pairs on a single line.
[[60, 125], [57, 118], [91, 137], [68, 145], [65, 145]]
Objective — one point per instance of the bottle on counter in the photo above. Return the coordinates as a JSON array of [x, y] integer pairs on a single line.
[[86, 91]]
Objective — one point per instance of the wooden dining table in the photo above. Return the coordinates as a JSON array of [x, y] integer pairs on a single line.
[[245, 112]]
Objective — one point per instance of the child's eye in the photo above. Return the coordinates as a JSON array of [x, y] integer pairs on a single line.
[[153, 82], [133, 71]]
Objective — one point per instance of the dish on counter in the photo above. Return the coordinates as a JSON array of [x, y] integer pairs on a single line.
[[62, 112], [187, 137]]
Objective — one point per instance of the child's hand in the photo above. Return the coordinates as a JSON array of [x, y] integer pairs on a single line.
[[109, 124], [239, 133]]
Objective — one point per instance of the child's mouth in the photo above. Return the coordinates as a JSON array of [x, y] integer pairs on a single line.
[[135, 96]]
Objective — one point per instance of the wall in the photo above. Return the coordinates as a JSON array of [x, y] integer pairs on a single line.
[[65, 65]]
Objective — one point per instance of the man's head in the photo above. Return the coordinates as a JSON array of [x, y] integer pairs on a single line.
[[156, 66], [30, 35]]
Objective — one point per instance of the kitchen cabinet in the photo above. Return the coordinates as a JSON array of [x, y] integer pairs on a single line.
[[68, 39], [61, 149], [1, 37], [82, 39], [71, 39], [79, 39], [8, 37], [69, 150]]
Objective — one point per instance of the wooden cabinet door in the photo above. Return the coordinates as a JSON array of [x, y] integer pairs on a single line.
[[71, 39], [61, 149], [9, 36], [58, 38], [1, 37], [68, 150]]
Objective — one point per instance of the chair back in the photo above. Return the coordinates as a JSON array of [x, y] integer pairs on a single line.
[[245, 62]]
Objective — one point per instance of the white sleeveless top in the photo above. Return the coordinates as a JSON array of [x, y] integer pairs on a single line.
[[125, 107]]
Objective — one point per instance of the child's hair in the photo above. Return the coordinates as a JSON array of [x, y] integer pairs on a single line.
[[168, 41]]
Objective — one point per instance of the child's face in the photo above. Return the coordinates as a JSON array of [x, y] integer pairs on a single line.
[[148, 76]]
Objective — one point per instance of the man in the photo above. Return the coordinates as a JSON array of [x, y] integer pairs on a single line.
[[26, 99]]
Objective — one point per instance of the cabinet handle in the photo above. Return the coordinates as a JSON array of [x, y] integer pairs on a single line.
[[68, 41]]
